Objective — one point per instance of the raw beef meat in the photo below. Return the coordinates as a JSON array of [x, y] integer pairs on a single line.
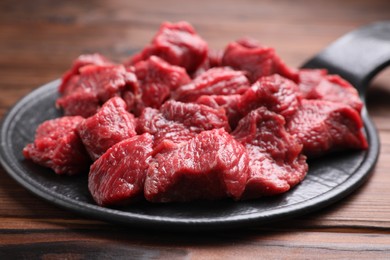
[[324, 126], [167, 134], [275, 92], [227, 102], [117, 177], [316, 84], [275, 160], [110, 125], [156, 79], [81, 61], [210, 166], [308, 79], [178, 44], [177, 122], [215, 81], [195, 116], [213, 60], [81, 103], [58, 146], [257, 60], [94, 86]]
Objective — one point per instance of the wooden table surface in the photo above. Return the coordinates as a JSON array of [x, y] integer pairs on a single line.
[[38, 41]]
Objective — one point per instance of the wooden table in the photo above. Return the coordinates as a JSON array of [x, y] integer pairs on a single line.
[[39, 40]]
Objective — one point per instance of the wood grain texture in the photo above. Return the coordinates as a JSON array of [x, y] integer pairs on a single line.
[[38, 41]]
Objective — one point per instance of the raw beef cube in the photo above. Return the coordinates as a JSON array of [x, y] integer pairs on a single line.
[[58, 146], [275, 92], [308, 79], [257, 60], [323, 126], [329, 87], [213, 60], [81, 61], [178, 44], [82, 103], [215, 81], [167, 134], [275, 160], [157, 79], [95, 85], [210, 166], [176, 123], [227, 102], [118, 176], [279, 67], [196, 117], [110, 125]]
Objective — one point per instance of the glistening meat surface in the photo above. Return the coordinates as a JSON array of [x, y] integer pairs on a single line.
[[178, 121]]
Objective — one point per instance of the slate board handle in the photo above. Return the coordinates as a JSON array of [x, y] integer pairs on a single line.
[[357, 56]]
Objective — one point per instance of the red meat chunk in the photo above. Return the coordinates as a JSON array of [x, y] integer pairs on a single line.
[[94, 86], [195, 116], [110, 125], [257, 60], [178, 122], [118, 176], [81, 103], [81, 61], [178, 44], [275, 160], [213, 60], [275, 92], [58, 146], [215, 81], [309, 78], [323, 126], [157, 79], [316, 84], [167, 134], [227, 102], [210, 166]]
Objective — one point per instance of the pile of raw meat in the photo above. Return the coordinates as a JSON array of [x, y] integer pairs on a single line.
[[178, 122]]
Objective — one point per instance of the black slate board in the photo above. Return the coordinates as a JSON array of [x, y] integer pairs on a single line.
[[329, 179]]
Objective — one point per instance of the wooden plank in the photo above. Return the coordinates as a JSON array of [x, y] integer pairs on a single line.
[[298, 244]]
